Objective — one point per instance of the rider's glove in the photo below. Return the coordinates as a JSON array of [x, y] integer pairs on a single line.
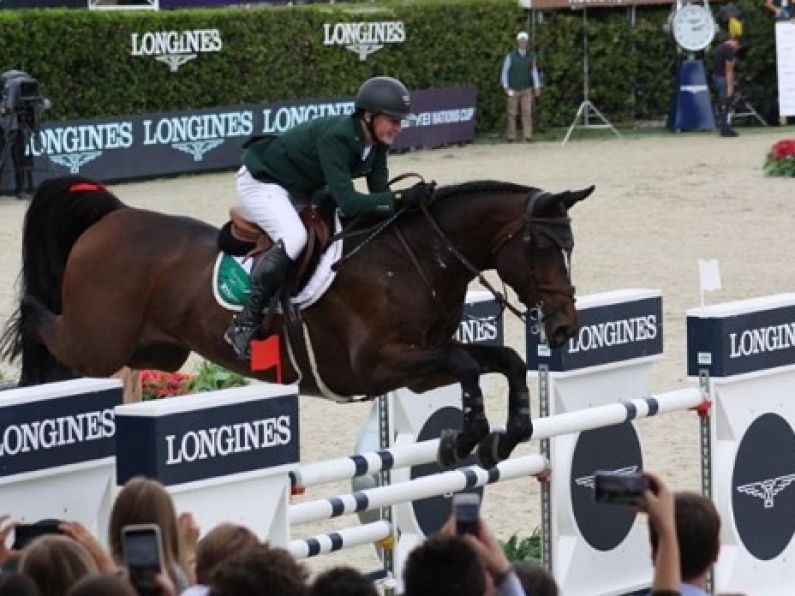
[[416, 195]]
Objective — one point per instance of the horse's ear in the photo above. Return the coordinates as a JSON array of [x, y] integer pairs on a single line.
[[575, 196]]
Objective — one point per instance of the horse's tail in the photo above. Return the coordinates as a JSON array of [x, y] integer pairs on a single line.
[[61, 210]]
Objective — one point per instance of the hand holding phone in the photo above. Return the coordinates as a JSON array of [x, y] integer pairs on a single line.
[[620, 488], [143, 555], [25, 533], [466, 509]]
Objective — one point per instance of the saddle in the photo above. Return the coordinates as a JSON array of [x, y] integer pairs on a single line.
[[242, 237]]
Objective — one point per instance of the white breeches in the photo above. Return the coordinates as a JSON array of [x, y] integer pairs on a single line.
[[269, 206]]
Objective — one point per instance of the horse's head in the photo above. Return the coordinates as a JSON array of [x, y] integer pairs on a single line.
[[536, 262]]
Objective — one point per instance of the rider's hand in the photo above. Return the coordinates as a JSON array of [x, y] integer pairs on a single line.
[[416, 195]]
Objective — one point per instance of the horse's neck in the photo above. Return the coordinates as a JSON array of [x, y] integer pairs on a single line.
[[473, 223]]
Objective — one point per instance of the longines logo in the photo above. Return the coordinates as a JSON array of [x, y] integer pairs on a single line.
[[74, 161], [197, 134], [49, 433], [588, 481], [74, 146], [762, 340], [198, 148], [363, 38], [228, 439], [613, 333], [471, 331], [767, 489], [175, 48], [694, 89]]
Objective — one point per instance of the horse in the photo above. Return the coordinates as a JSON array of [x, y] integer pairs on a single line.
[[104, 285]]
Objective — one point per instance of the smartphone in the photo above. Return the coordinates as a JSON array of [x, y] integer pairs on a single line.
[[620, 488], [466, 508], [25, 533], [142, 548]]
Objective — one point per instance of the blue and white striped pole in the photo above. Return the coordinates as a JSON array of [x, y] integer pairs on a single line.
[[321, 544], [413, 490], [425, 452]]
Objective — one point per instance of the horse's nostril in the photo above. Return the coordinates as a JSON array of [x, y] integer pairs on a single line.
[[559, 336]]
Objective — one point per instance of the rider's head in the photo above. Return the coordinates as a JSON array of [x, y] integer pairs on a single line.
[[381, 103]]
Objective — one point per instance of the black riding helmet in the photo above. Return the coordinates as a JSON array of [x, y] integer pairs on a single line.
[[384, 95]]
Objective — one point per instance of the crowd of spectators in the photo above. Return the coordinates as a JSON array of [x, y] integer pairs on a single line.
[[229, 560]]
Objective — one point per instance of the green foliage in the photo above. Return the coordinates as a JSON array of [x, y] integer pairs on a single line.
[[84, 63], [211, 377], [83, 58], [523, 549]]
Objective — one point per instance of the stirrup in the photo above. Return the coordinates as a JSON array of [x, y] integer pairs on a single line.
[[239, 337]]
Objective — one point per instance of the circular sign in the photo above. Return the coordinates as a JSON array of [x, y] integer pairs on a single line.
[[431, 513], [763, 487], [615, 449], [693, 27]]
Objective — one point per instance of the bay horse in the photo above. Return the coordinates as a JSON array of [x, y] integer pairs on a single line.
[[104, 285]]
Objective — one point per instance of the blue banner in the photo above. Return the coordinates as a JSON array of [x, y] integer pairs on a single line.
[[606, 334], [211, 139], [743, 343], [208, 443], [56, 432]]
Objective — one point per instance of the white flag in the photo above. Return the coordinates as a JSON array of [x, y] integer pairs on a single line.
[[709, 276]]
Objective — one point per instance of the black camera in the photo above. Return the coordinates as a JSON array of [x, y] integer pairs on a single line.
[[21, 97]]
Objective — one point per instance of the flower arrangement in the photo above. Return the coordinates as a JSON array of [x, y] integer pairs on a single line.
[[156, 384], [780, 159]]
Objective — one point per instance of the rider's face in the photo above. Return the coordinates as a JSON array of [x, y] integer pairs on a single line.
[[386, 128]]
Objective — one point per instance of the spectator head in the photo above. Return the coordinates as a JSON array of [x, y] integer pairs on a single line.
[[698, 534], [444, 565], [220, 543], [55, 563], [17, 584], [342, 581], [102, 585], [535, 578], [259, 571], [145, 501]]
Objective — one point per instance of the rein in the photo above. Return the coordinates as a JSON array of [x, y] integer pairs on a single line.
[[503, 302], [350, 230]]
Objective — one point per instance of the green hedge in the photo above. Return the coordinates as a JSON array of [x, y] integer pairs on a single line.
[[82, 58]]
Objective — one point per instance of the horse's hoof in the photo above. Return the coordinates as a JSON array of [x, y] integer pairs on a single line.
[[447, 455], [487, 454]]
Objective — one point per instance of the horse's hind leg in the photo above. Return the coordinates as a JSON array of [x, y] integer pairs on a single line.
[[498, 445], [79, 341]]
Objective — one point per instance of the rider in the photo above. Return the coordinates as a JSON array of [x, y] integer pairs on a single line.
[[327, 152]]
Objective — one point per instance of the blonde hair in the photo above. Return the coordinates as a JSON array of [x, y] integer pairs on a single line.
[[55, 563], [146, 501]]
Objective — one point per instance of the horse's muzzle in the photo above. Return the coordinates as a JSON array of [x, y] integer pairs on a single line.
[[560, 334]]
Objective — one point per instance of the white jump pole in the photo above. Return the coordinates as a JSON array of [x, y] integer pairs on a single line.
[[412, 490], [543, 428], [345, 538]]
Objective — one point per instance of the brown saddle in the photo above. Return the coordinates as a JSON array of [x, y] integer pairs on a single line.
[[318, 232]]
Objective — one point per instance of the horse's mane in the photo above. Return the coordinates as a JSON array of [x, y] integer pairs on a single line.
[[479, 187]]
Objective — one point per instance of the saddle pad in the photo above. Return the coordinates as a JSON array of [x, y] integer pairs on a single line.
[[231, 280]]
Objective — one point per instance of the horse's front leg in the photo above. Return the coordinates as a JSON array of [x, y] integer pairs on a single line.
[[498, 445], [414, 369]]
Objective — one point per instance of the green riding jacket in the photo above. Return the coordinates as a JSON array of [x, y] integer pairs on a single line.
[[324, 152]]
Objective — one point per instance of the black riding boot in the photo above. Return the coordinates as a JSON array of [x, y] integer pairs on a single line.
[[267, 278]]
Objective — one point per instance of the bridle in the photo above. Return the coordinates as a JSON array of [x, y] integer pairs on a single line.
[[556, 229]]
